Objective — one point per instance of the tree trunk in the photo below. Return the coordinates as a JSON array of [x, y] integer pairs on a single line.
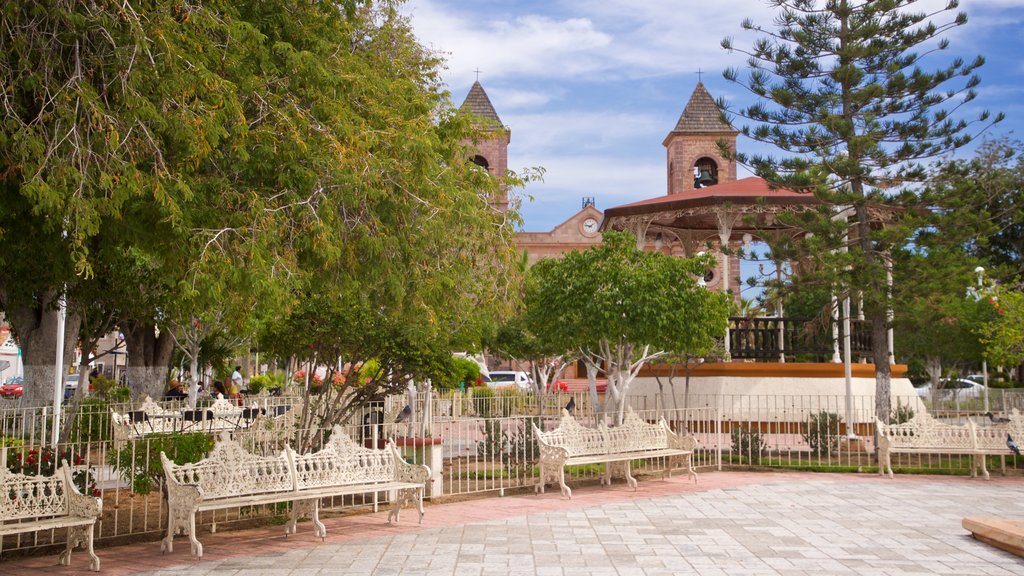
[[36, 330], [149, 358], [933, 365], [883, 371]]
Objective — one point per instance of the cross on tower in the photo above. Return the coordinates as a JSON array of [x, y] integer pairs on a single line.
[[477, 74], [699, 72]]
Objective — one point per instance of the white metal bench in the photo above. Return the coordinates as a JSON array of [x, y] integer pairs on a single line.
[[574, 444], [232, 477], [33, 503], [922, 434], [990, 437]]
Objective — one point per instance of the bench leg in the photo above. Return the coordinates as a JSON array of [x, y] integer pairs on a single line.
[[566, 491], [301, 509], [619, 469], [94, 560], [979, 462], [419, 503], [689, 467]]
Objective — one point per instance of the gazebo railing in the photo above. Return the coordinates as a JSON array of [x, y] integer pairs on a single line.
[[770, 339]]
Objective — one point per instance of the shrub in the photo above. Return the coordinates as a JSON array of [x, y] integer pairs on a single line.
[[258, 383], [512, 441], [483, 401], [92, 422], [139, 464], [748, 443], [510, 401], [45, 462], [823, 433], [901, 414], [102, 387], [11, 442]]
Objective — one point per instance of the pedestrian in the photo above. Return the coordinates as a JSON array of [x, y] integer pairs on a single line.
[[175, 392], [235, 389]]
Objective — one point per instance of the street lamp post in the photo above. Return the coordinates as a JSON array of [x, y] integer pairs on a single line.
[[977, 295]]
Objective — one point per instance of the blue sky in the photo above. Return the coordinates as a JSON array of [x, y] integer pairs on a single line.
[[590, 89]]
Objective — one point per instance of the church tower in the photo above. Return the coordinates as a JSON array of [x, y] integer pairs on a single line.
[[492, 148], [694, 160]]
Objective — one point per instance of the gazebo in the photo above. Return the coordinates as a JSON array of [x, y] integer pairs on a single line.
[[707, 208]]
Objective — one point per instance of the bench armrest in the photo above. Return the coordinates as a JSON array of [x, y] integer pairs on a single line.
[[406, 472], [79, 505], [180, 494]]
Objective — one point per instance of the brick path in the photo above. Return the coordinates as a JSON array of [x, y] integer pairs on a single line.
[[733, 523]]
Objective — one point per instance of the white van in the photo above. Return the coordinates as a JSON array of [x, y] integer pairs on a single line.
[[508, 377]]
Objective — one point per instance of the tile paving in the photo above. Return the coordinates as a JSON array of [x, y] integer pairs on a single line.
[[731, 523]]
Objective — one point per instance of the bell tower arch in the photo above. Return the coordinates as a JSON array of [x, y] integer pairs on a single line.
[[693, 156]]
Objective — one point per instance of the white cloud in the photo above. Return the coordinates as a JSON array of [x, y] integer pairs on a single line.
[[513, 99], [582, 130]]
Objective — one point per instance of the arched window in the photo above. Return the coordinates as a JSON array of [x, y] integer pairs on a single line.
[[481, 161], [705, 173]]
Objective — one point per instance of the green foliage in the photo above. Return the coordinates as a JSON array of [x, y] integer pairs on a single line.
[[748, 444], [102, 386], [1003, 336], [46, 462], [92, 422], [462, 372], [511, 440], [260, 382], [483, 401], [621, 306], [822, 435], [139, 464], [901, 413], [11, 442]]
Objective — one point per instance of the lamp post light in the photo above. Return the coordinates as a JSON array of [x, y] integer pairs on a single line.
[[977, 294]]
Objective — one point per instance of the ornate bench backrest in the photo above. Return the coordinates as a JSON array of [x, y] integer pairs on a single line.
[[576, 439], [153, 409], [992, 435], [343, 462], [33, 496], [923, 431], [230, 470], [635, 435]]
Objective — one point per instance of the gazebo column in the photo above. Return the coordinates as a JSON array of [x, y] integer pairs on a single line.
[[726, 220], [639, 228]]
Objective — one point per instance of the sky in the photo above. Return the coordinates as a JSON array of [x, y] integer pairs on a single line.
[[590, 89]]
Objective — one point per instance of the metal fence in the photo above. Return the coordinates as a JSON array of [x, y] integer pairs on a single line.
[[485, 445]]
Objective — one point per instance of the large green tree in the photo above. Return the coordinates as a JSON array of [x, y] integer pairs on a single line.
[[843, 92], [932, 308], [620, 307], [223, 154]]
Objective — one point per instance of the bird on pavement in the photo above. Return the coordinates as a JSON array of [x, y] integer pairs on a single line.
[[571, 406], [1012, 445], [405, 414], [996, 419]]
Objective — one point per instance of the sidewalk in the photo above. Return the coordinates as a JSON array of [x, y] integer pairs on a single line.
[[735, 523]]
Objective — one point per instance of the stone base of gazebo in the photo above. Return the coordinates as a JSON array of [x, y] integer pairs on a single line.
[[747, 390]]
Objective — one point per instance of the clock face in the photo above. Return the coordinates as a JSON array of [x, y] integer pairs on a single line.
[[590, 226]]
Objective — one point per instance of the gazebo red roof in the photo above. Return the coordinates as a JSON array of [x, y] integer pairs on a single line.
[[698, 210], [743, 191]]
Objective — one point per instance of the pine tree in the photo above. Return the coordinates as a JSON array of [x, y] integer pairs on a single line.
[[844, 94]]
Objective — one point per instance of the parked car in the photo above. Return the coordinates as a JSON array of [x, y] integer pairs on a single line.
[[959, 388], [12, 388], [508, 377]]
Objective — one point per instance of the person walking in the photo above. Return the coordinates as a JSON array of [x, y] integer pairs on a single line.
[[235, 389]]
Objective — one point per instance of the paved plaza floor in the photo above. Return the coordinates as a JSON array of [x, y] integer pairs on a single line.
[[730, 523]]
